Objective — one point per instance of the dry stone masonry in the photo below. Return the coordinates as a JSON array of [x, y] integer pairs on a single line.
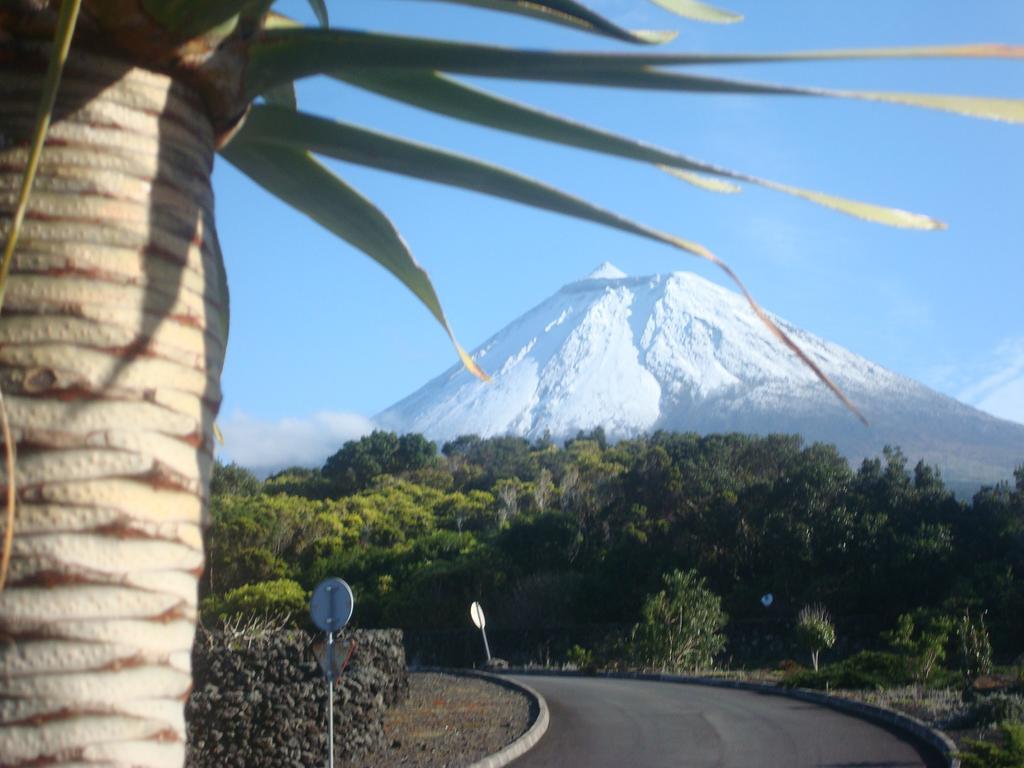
[[261, 702]]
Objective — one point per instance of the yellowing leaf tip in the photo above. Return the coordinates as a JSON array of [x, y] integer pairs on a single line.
[[877, 214], [981, 107], [471, 365], [698, 11], [655, 36], [710, 183]]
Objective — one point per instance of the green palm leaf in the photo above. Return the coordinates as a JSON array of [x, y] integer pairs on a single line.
[[269, 125], [282, 96], [437, 93], [570, 14], [320, 10], [284, 55], [299, 180]]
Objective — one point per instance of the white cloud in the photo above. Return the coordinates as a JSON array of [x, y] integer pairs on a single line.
[[266, 446], [1001, 392]]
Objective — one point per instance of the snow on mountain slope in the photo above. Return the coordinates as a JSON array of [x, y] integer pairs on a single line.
[[636, 354]]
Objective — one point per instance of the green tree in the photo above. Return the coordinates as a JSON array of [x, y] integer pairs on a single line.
[[509, 497], [393, 513], [234, 480], [922, 640], [414, 452], [299, 481], [815, 630], [990, 557], [681, 626], [112, 360], [354, 467], [260, 538], [496, 458], [358, 462], [471, 511]]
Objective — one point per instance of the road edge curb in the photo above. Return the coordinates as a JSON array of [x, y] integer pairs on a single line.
[[524, 743], [914, 728]]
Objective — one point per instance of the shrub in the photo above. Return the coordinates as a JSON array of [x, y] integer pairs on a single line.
[[922, 642], [864, 670], [580, 658], [975, 646], [281, 597], [815, 630], [983, 754], [250, 565], [681, 625]]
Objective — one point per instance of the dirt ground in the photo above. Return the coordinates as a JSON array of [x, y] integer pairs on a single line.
[[450, 721]]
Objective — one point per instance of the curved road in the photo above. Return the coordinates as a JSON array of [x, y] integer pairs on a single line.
[[606, 723]]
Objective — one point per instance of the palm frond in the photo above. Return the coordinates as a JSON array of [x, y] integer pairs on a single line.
[[571, 14], [269, 125], [320, 11], [286, 55], [295, 177], [282, 96], [414, 71], [443, 95]]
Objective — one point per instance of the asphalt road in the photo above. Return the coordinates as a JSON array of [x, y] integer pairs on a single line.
[[599, 723]]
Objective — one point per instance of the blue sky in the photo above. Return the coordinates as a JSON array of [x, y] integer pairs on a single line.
[[322, 338]]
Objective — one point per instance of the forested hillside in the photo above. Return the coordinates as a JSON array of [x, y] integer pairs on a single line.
[[562, 539]]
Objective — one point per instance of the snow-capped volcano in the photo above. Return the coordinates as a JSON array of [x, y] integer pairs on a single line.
[[677, 352]]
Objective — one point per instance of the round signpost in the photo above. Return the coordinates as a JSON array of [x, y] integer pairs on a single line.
[[331, 604], [476, 613], [330, 608]]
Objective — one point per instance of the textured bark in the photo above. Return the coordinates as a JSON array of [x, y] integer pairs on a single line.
[[111, 345]]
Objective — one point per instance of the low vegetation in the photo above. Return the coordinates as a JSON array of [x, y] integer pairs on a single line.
[[581, 535], [634, 554], [815, 630], [1006, 753], [680, 626]]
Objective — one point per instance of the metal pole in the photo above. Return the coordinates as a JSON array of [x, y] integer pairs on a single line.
[[330, 700], [486, 646]]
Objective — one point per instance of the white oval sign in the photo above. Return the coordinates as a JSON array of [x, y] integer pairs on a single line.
[[476, 613], [331, 604], [767, 600]]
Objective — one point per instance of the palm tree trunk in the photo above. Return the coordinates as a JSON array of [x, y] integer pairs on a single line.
[[111, 346]]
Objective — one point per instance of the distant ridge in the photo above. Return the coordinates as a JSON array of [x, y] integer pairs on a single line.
[[677, 352]]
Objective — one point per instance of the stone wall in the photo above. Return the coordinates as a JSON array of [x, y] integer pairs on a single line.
[[261, 701]]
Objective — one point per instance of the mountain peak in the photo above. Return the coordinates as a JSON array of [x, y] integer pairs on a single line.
[[678, 352], [606, 271]]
